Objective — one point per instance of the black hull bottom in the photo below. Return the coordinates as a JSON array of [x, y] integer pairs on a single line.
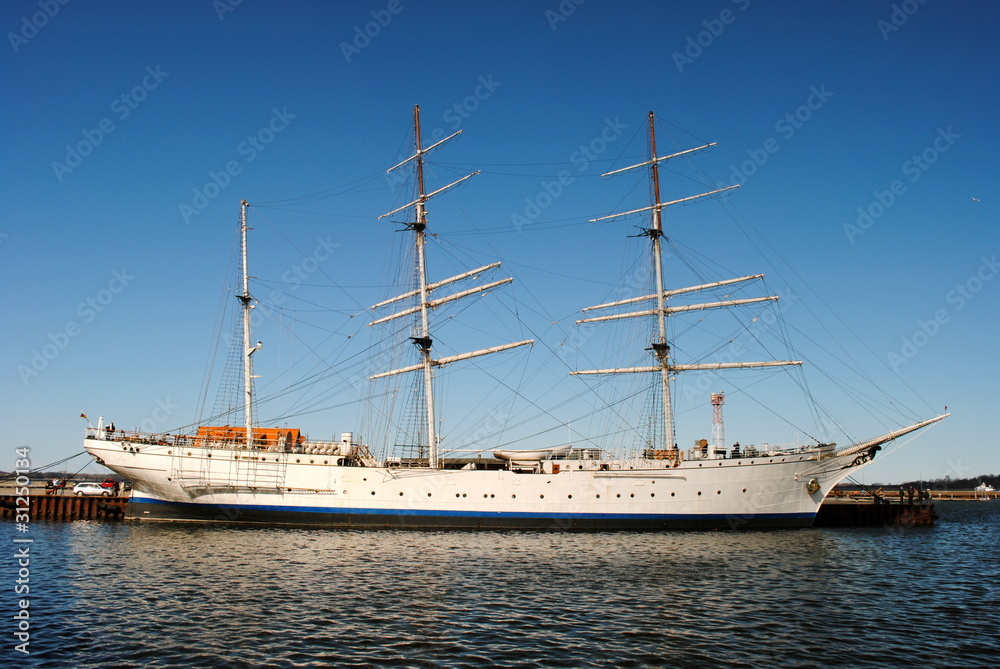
[[143, 509]]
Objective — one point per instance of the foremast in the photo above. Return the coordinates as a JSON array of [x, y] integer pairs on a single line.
[[660, 346], [247, 301], [422, 337]]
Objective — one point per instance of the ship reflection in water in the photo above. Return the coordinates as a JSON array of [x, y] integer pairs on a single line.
[[187, 595]]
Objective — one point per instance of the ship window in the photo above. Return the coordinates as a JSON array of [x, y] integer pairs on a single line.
[[598, 496], [168, 452], [672, 494], [513, 496], [400, 494], [718, 492], [541, 497], [209, 455], [485, 495], [373, 492], [491, 495], [456, 494], [652, 494], [618, 495], [632, 494], [569, 496], [324, 462], [699, 492], [744, 490], [297, 460]]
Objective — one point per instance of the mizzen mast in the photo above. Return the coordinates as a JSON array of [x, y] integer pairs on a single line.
[[660, 346], [246, 300], [422, 336]]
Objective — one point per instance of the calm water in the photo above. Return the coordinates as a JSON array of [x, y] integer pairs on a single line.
[[123, 595]]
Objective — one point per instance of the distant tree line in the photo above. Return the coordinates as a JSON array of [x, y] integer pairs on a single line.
[[948, 483]]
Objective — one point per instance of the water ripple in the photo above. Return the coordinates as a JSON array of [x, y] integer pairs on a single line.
[[125, 595]]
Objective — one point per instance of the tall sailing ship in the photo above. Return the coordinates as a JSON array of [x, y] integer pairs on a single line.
[[274, 475]]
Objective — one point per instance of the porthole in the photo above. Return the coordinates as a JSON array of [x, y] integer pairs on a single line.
[[672, 494], [457, 495], [209, 455], [311, 461], [720, 464], [541, 497], [699, 493], [463, 494], [324, 462], [652, 494], [485, 495], [631, 494], [513, 496], [373, 492], [428, 494], [400, 494], [598, 496], [699, 464], [168, 452], [618, 495], [744, 490], [297, 460], [492, 495], [569, 496], [718, 492]]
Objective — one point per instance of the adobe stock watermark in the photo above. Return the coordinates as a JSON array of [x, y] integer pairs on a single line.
[[786, 127], [900, 14], [248, 150], [695, 393], [454, 117], [292, 278], [914, 168], [223, 7], [714, 28], [364, 34], [122, 106], [87, 310], [562, 12], [30, 25], [581, 160], [958, 297], [22, 548]]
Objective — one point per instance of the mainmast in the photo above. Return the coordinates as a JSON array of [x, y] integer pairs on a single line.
[[422, 337], [248, 351], [660, 346]]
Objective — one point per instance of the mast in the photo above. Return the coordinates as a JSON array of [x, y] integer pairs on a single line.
[[660, 345], [422, 338], [660, 348], [248, 351]]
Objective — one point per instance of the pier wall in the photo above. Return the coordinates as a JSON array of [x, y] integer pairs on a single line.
[[64, 507]]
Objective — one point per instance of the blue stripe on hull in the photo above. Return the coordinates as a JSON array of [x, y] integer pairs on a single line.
[[153, 509]]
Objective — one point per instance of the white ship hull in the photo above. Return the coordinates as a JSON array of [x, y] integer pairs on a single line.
[[226, 485]]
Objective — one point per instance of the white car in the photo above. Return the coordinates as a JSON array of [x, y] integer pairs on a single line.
[[88, 488]]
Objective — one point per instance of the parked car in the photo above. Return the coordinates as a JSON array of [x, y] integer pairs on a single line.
[[90, 488]]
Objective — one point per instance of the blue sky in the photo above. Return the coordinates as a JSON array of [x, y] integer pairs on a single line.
[[859, 131]]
